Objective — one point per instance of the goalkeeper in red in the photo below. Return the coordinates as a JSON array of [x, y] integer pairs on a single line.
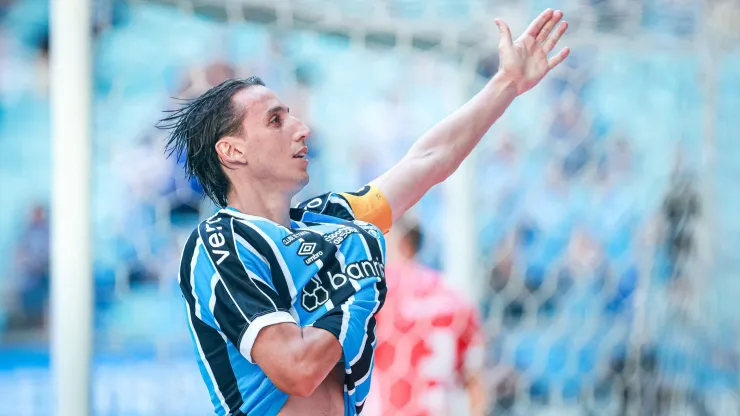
[[281, 301]]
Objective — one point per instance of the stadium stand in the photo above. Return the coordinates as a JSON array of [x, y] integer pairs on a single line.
[[576, 190]]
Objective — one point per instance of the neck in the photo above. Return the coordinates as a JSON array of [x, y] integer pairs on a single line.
[[254, 198]]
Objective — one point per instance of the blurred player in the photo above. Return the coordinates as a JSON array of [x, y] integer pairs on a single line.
[[429, 340], [280, 301]]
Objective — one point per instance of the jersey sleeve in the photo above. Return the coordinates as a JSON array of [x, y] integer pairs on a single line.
[[367, 204], [243, 297]]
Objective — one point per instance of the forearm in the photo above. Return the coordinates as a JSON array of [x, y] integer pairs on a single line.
[[318, 353], [439, 152], [296, 359], [451, 140]]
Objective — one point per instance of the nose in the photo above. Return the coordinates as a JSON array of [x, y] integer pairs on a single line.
[[302, 132]]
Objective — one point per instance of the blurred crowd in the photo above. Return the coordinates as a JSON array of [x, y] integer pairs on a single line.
[[587, 192]]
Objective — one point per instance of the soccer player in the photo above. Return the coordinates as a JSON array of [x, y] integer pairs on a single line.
[[280, 301], [430, 347]]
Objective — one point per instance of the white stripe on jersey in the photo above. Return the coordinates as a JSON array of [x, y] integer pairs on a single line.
[[278, 256], [203, 357], [362, 380], [345, 319], [206, 364], [363, 345], [367, 249], [212, 301], [367, 321], [343, 266], [251, 248]]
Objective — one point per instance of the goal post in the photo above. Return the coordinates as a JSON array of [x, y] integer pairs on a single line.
[[71, 266]]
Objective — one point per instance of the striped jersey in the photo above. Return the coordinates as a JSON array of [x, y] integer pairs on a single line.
[[240, 273]]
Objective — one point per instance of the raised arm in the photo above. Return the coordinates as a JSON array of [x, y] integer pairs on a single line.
[[439, 152]]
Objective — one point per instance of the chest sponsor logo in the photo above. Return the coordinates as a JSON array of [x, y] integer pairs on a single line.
[[356, 271], [315, 295]]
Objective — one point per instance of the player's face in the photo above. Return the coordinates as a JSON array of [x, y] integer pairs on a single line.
[[275, 140]]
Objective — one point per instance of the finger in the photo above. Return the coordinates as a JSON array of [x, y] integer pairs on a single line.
[[545, 32], [553, 40], [557, 59], [504, 32], [536, 25]]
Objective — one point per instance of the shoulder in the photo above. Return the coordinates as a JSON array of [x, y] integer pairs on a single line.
[[367, 204], [230, 231], [332, 204]]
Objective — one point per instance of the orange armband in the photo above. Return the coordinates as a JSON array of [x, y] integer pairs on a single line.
[[370, 205]]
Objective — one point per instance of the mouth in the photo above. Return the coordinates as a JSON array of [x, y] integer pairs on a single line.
[[301, 153]]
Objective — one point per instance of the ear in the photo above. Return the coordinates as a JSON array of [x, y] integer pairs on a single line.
[[231, 150]]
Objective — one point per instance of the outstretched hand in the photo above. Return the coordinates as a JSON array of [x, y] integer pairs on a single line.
[[524, 61]]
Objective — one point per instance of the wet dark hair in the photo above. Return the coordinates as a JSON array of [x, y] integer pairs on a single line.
[[198, 125]]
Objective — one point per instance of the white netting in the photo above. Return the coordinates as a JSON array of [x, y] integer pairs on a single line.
[[607, 290]]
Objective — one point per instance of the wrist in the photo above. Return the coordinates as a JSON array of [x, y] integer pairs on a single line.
[[503, 84]]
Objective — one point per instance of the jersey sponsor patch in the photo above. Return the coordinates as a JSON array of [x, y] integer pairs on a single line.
[[338, 236], [309, 252], [295, 237], [313, 292], [313, 295], [306, 249]]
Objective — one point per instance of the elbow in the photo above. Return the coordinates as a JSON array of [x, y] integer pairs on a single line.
[[301, 387]]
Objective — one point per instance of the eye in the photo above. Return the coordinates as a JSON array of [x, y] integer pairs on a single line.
[[275, 120]]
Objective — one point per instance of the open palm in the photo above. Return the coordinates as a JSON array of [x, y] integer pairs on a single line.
[[524, 61]]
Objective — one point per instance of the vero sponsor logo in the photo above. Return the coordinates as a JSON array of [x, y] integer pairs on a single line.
[[216, 239]]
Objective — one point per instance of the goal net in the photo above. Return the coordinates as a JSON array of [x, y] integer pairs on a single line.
[[594, 230]]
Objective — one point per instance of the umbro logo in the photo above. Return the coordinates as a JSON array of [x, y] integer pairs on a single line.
[[306, 249]]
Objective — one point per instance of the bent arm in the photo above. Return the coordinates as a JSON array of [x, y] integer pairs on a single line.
[[296, 359], [441, 150]]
